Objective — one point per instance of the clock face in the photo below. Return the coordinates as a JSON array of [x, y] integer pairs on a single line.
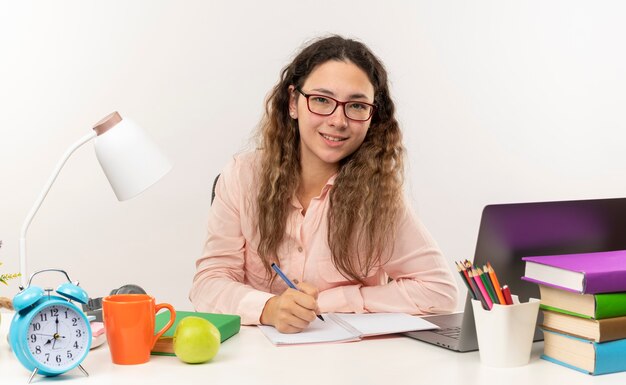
[[58, 337]]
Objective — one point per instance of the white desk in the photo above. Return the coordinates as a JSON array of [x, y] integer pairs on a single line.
[[249, 358]]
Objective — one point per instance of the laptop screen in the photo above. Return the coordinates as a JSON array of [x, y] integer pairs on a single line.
[[509, 232]]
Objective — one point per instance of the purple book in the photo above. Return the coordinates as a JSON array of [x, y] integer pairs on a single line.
[[589, 273]]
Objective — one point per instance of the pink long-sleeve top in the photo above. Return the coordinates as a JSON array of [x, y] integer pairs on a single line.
[[230, 277]]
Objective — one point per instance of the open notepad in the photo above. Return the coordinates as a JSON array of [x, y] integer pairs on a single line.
[[340, 327]]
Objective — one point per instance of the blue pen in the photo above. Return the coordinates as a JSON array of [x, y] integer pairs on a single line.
[[288, 282]]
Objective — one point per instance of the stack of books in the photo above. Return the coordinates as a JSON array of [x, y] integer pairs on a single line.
[[583, 298]]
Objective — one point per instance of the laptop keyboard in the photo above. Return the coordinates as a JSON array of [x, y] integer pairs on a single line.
[[453, 332]]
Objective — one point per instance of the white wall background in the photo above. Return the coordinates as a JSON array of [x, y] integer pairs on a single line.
[[500, 101]]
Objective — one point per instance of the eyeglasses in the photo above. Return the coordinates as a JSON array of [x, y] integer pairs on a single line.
[[325, 105]]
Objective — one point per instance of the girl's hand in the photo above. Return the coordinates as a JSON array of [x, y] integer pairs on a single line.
[[293, 310]]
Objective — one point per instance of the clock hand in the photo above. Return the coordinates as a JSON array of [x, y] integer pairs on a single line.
[[55, 337], [47, 335], [56, 333], [43, 334]]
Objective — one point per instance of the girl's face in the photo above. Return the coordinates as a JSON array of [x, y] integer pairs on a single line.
[[326, 140]]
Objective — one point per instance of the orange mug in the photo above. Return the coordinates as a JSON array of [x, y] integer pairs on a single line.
[[129, 324]]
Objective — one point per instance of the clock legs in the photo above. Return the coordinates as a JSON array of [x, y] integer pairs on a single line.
[[83, 370], [32, 375], [37, 369]]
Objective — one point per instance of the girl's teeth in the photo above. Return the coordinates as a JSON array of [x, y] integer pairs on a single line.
[[332, 139]]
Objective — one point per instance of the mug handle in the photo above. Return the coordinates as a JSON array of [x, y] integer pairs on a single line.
[[169, 324]]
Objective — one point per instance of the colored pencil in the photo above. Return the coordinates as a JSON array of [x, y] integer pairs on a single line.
[[488, 286], [476, 291], [492, 286], [496, 283], [466, 280], [507, 295], [479, 295], [481, 286], [468, 267]]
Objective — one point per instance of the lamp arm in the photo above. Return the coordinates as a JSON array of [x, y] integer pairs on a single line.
[[39, 201]]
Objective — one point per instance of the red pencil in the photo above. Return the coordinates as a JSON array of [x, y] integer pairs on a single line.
[[507, 294]]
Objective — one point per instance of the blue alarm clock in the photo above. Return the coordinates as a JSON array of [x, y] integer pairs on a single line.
[[49, 334]]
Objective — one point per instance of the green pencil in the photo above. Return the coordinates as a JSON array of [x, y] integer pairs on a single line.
[[488, 286]]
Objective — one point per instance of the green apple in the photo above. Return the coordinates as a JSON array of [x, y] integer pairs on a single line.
[[196, 340]]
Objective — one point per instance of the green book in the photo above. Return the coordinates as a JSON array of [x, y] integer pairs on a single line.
[[595, 306], [227, 324]]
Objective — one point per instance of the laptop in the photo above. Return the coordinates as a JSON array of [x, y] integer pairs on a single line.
[[509, 232]]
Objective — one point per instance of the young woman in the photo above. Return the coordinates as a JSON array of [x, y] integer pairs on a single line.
[[322, 198]]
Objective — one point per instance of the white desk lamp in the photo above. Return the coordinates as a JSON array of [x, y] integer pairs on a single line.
[[130, 160]]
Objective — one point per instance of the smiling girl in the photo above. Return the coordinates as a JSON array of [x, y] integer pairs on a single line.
[[322, 198]]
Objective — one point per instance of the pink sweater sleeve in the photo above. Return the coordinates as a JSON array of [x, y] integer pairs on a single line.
[[218, 285], [422, 282]]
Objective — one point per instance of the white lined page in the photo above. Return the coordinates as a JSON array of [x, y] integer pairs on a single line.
[[372, 324], [318, 331], [368, 324]]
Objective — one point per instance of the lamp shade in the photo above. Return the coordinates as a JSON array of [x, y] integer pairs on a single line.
[[130, 159]]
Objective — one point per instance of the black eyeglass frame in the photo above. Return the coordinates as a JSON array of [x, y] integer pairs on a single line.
[[339, 103]]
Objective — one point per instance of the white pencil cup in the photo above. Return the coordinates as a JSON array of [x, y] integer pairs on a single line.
[[505, 333]]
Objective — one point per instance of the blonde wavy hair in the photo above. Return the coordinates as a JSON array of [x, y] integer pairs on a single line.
[[367, 194]]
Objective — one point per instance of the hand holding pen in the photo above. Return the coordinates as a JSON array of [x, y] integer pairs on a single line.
[[289, 283], [293, 310]]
